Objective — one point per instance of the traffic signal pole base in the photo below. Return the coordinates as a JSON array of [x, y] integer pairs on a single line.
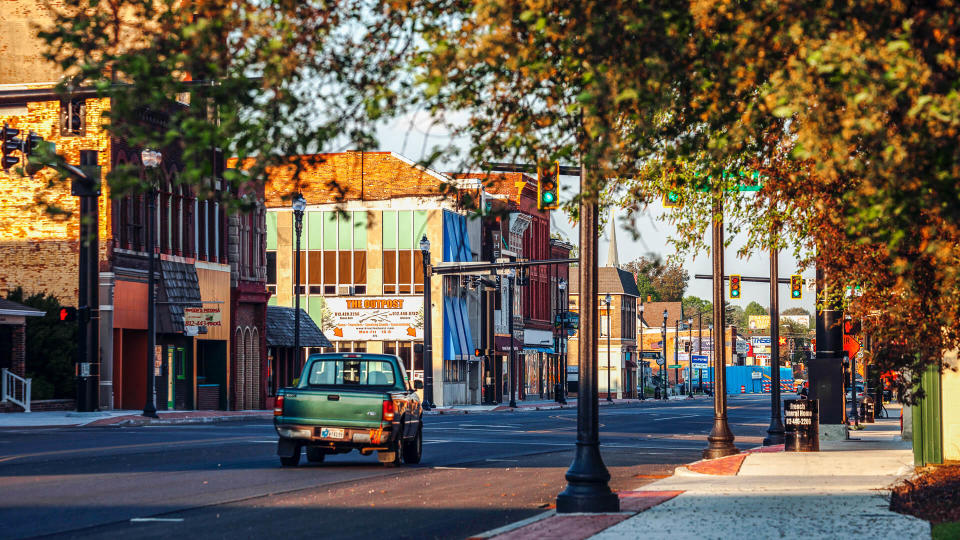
[[720, 441], [774, 436], [588, 484]]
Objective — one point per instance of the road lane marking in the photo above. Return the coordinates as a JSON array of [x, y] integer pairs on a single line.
[[121, 447], [513, 460], [165, 520]]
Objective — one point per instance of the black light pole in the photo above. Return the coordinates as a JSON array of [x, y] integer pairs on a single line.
[[427, 327], [700, 344], [676, 354], [663, 368], [641, 362], [299, 205], [607, 300], [561, 353], [151, 160], [689, 381], [513, 362], [720, 440], [588, 480], [775, 430]]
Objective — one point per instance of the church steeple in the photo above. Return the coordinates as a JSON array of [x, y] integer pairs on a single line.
[[612, 258]]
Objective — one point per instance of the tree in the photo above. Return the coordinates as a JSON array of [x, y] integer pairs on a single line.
[[265, 81], [753, 308], [663, 282], [795, 311], [693, 305], [51, 347]]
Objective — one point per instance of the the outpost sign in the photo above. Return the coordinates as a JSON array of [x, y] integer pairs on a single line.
[[376, 318]]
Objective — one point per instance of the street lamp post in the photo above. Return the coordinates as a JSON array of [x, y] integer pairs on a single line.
[[676, 354], [663, 368], [689, 381], [700, 344], [151, 160], [561, 353], [513, 362], [607, 300], [299, 205], [427, 327], [775, 432], [641, 362]]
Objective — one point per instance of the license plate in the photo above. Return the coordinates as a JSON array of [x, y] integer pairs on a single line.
[[330, 433]]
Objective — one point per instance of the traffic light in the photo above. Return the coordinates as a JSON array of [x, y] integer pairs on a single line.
[[671, 199], [735, 286], [796, 287], [548, 187], [68, 314], [11, 144], [31, 151]]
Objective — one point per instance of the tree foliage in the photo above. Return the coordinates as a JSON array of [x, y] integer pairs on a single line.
[[264, 80], [662, 282], [51, 347]]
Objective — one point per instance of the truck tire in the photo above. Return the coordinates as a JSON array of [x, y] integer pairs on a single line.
[[413, 449], [291, 461], [315, 455]]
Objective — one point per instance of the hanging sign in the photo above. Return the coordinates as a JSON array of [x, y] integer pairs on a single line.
[[195, 316]]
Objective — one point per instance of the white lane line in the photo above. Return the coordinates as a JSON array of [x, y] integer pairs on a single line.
[[271, 441], [164, 520], [568, 444], [513, 460], [451, 468]]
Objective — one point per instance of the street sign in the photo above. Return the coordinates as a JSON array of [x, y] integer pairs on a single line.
[[700, 361], [674, 366], [755, 375]]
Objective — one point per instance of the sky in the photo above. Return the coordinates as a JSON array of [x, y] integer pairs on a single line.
[[413, 135]]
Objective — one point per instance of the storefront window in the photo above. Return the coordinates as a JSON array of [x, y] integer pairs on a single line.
[[402, 260]]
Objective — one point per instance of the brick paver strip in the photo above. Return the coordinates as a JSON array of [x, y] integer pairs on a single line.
[[565, 527], [725, 466], [638, 501]]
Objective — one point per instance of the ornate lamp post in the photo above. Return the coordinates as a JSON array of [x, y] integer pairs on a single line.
[[607, 300], [513, 363], [663, 368], [641, 362], [427, 327], [299, 205], [151, 160], [562, 362]]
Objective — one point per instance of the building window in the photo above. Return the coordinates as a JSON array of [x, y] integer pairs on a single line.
[[335, 262], [73, 115], [454, 371], [402, 260]]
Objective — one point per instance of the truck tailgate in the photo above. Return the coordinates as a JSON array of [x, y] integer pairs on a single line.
[[333, 408]]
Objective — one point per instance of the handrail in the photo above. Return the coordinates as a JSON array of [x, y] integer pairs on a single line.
[[11, 382]]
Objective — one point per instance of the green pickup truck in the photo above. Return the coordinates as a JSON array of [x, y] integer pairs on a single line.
[[350, 401]]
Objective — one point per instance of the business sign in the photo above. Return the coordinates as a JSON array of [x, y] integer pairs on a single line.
[[700, 361], [756, 375], [762, 357], [758, 322], [198, 316], [375, 318], [802, 321]]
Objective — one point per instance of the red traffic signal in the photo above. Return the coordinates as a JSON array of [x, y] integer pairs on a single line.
[[68, 314]]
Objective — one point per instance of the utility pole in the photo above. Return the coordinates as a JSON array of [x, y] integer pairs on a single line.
[[88, 307]]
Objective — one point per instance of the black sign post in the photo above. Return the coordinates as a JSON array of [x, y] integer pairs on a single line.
[[801, 418]]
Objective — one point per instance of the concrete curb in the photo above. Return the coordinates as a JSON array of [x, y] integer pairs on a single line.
[[512, 526], [143, 421]]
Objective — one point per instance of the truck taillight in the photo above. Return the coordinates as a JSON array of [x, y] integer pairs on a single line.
[[389, 410], [278, 407]]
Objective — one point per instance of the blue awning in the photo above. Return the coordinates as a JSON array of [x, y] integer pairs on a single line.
[[457, 336], [539, 348], [467, 332], [451, 343]]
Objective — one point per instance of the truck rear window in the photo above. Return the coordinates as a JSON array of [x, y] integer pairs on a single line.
[[351, 372]]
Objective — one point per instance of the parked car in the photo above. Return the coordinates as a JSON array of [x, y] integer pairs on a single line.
[[350, 401]]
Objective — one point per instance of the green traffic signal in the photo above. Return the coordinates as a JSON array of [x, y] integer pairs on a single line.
[[548, 198]]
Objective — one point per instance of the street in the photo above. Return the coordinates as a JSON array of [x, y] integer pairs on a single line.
[[479, 472]]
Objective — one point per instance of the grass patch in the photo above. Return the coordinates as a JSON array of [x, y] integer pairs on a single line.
[[946, 531]]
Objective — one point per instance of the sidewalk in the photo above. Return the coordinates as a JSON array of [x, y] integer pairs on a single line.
[[543, 405], [122, 418], [839, 492]]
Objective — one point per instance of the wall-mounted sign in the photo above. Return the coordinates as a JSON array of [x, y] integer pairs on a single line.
[[375, 318], [758, 322], [195, 316]]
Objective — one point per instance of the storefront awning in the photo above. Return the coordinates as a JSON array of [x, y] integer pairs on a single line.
[[179, 288], [281, 323], [457, 336]]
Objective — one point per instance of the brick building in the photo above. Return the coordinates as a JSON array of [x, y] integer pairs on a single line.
[[619, 322], [206, 255], [361, 269]]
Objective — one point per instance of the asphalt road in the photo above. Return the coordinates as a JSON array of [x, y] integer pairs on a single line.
[[479, 472]]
